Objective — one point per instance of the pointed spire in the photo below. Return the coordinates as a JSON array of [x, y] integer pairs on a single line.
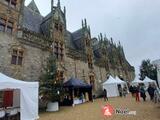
[[89, 29], [111, 40], [52, 4], [64, 10], [105, 36], [101, 36], [59, 4], [85, 22], [119, 43], [32, 5], [82, 24]]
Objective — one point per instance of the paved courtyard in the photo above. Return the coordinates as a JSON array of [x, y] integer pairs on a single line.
[[92, 111]]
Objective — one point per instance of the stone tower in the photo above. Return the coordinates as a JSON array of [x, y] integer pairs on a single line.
[[88, 51], [57, 33]]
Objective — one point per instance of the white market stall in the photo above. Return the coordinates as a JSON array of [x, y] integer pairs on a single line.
[[136, 81], [28, 96], [148, 81], [111, 85]]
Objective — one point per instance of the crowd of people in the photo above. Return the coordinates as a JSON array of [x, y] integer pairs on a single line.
[[140, 91]]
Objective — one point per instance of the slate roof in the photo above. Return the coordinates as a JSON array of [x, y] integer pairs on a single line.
[[77, 38], [69, 40], [77, 34], [31, 20]]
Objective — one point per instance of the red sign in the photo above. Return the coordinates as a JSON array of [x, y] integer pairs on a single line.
[[8, 98], [107, 110]]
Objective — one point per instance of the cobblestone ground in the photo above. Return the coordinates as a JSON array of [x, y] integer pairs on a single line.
[[92, 110]]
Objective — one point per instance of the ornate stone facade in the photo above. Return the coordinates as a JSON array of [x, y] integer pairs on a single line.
[[27, 38]]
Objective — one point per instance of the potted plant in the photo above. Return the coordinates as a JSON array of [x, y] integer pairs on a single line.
[[50, 88]]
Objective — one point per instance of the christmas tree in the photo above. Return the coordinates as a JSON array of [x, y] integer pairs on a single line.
[[51, 88]]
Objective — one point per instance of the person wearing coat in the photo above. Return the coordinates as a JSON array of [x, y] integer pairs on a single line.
[[151, 90], [105, 95], [137, 91], [143, 93]]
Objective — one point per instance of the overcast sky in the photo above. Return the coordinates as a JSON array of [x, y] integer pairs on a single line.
[[136, 23]]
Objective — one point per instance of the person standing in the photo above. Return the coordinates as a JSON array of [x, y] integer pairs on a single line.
[[105, 95], [151, 92], [143, 93], [131, 90], [120, 91], [156, 95], [137, 93], [124, 91]]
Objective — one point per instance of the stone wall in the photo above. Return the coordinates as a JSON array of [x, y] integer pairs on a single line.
[[76, 68], [33, 59]]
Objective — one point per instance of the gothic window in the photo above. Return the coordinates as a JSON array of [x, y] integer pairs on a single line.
[[90, 65], [61, 51], [56, 49], [61, 56], [2, 24], [17, 57], [9, 27], [61, 28], [56, 26], [11, 3], [20, 57]]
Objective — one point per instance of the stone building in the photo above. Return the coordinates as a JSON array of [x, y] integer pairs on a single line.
[[27, 38]]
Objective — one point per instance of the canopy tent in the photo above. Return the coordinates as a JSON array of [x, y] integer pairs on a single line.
[[112, 80], [147, 81], [76, 83], [111, 85], [28, 96], [119, 80], [77, 88], [136, 81]]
